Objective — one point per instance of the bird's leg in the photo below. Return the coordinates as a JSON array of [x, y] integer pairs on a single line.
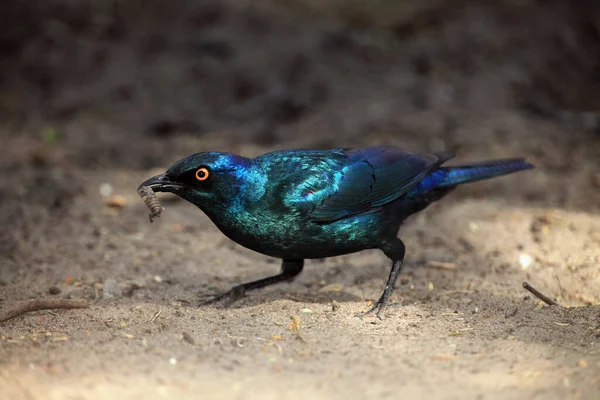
[[395, 251], [289, 270]]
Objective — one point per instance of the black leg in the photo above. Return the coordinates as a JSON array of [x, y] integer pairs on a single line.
[[289, 270], [395, 251]]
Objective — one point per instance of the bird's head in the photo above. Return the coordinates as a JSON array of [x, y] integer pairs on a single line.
[[212, 180]]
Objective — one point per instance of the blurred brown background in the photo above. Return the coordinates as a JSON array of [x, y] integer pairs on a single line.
[[268, 71]]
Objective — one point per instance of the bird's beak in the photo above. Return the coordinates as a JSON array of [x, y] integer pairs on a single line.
[[161, 183]]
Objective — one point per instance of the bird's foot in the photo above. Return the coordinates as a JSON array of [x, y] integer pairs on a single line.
[[377, 309], [227, 298]]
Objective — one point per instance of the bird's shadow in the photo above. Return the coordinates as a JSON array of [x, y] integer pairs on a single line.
[[262, 297]]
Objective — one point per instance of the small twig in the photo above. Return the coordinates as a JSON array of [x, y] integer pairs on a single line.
[[156, 315], [41, 304], [539, 295]]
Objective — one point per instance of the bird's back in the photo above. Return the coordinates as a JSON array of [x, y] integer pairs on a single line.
[[329, 185]]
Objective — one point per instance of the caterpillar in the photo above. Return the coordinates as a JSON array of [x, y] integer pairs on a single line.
[[149, 197]]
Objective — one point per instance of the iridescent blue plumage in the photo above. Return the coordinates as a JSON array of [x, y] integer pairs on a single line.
[[299, 204]]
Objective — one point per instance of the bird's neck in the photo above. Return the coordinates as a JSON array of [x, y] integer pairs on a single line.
[[245, 187]]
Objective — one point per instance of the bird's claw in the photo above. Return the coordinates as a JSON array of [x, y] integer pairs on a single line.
[[377, 309], [228, 298]]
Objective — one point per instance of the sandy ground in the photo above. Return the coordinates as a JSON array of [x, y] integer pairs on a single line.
[[462, 326]]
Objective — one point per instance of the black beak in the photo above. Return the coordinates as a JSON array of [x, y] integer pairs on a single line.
[[161, 183]]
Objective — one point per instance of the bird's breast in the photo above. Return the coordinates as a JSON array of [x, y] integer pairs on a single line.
[[293, 236]]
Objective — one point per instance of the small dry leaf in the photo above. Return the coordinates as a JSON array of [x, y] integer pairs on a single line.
[[443, 357], [295, 324], [443, 265], [115, 201], [277, 337], [334, 287], [585, 299]]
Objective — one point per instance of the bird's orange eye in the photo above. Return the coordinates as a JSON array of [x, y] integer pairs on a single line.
[[202, 174]]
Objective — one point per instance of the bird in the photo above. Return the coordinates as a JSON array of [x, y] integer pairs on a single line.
[[303, 204]]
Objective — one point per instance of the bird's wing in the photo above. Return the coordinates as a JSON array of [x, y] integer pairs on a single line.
[[370, 178]]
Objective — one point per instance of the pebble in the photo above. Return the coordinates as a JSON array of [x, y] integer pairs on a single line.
[[110, 289], [105, 190], [525, 260], [335, 306], [54, 290]]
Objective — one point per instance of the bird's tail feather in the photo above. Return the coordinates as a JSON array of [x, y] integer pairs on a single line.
[[483, 170]]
